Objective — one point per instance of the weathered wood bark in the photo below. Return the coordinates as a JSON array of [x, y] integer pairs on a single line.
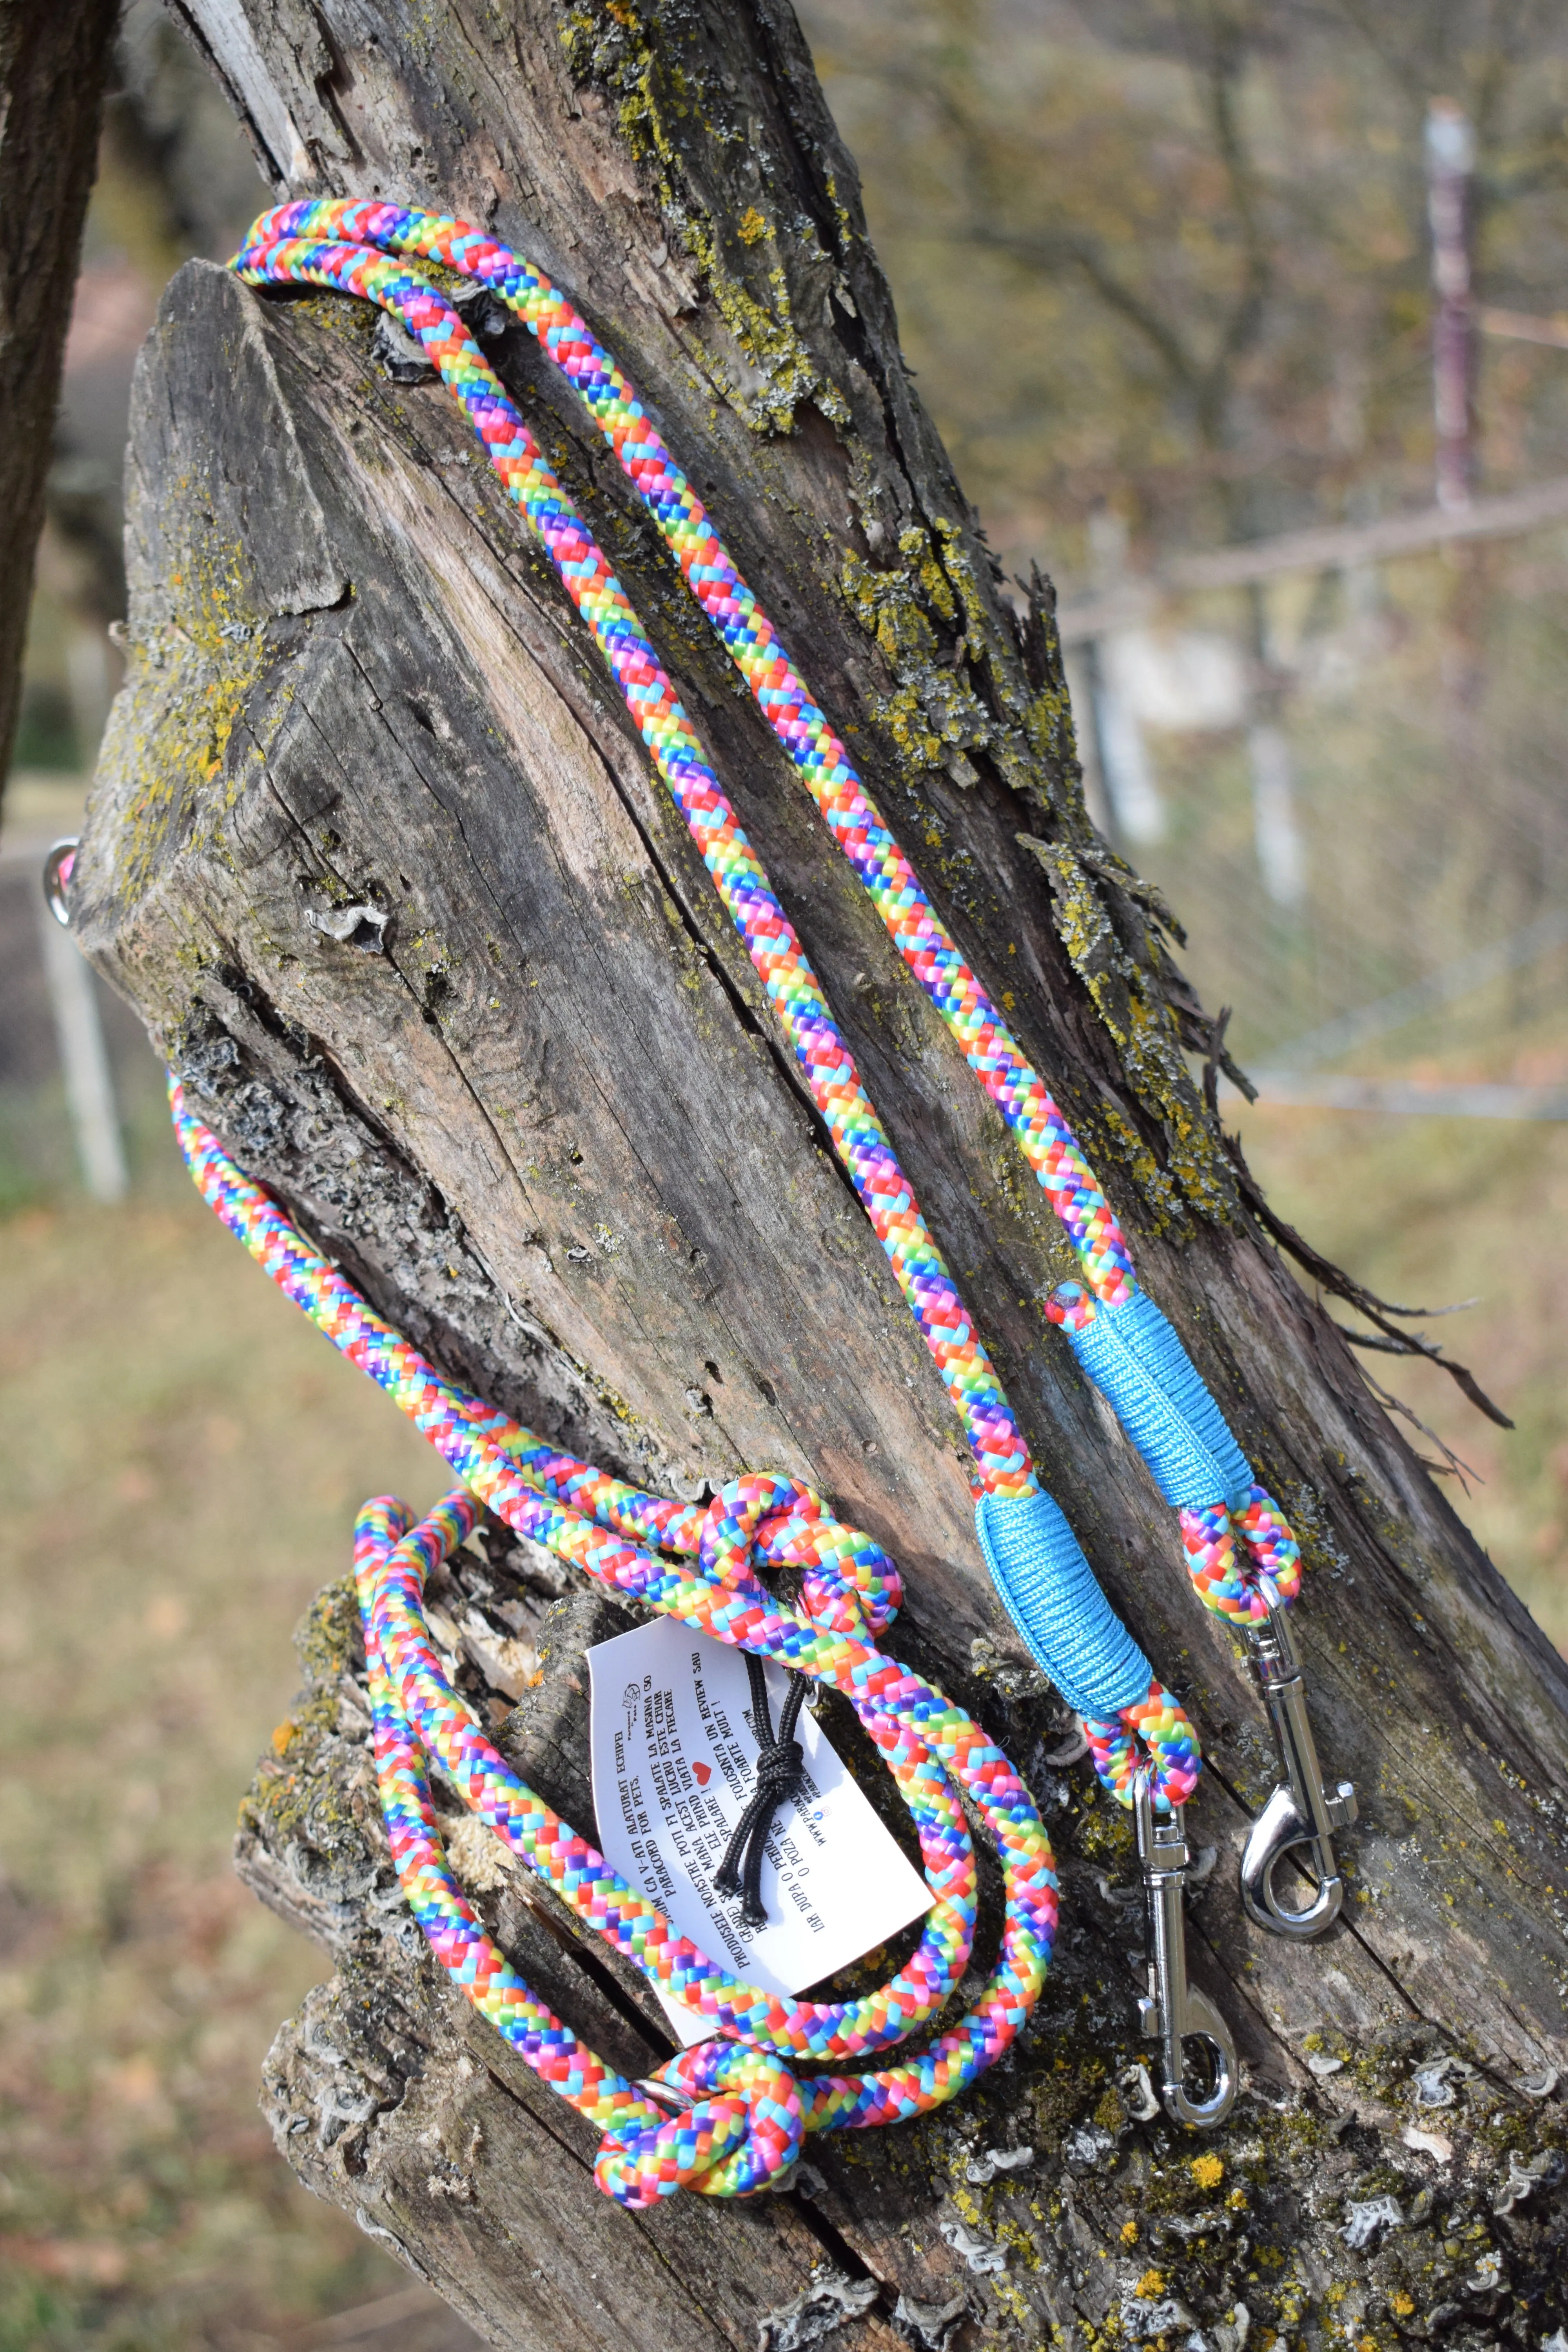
[[535, 1102], [53, 56]]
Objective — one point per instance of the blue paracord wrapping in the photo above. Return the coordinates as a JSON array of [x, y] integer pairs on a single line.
[[1135, 1359], [1049, 1590]]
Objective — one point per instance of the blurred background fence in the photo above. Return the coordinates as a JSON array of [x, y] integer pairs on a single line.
[[1245, 322]]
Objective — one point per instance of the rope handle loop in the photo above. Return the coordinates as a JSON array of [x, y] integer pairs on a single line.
[[738, 2122], [529, 1829], [349, 245]]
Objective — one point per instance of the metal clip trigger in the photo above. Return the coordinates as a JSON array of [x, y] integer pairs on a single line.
[[1300, 1812], [1171, 2012]]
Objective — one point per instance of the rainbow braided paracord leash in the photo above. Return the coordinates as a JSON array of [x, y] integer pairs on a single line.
[[850, 1590], [1120, 1337]]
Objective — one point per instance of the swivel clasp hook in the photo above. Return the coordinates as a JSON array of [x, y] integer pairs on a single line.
[[1300, 1812], [1173, 2013]]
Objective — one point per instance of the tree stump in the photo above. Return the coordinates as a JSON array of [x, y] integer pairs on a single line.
[[374, 851]]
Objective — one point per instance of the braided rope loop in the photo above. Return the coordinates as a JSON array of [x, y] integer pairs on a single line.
[[271, 250], [345, 243], [726, 2145], [649, 2154], [1158, 1725], [524, 1824], [320, 244]]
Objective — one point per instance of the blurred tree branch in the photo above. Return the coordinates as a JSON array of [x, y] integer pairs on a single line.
[[1223, 204], [54, 59]]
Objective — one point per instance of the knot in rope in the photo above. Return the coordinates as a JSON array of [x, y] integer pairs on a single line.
[[779, 1766], [742, 2128], [849, 1585]]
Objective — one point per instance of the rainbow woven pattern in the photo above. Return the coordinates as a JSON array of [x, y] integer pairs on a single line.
[[1243, 1591], [1001, 1459], [281, 245], [1165, 1732], [927, 1743], [343, 244]]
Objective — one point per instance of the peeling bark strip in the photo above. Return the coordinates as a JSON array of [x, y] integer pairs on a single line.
[[373, 850]]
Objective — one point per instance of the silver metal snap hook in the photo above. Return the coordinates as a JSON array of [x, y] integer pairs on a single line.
[[1301, 1812], [1173, 2013], [673, 2097], [57, 867]]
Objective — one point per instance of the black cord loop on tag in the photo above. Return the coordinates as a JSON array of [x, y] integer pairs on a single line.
[[781, 1760]]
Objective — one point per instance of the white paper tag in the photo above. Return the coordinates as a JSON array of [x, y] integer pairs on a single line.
[[675, 1764]]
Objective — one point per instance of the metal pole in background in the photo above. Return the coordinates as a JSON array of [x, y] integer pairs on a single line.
[[84, 1060], [1276, 827], [1081, 666], [1276, 831], [1126, 772], [1450, 162]]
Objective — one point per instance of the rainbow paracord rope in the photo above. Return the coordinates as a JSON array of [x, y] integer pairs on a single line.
[[849, 1594], [748, 2114], [1002, 1466], [345, 245]]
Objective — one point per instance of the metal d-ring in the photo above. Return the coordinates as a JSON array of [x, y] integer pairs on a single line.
[[1301, 1812], [1173, 2013], [57, 867]]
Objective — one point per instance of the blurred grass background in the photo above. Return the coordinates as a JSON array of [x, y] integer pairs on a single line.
[[183, 1467], [181, 1456]]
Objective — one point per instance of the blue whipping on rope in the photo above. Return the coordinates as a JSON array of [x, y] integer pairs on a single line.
[[1055, 1600], [1139, 1365]]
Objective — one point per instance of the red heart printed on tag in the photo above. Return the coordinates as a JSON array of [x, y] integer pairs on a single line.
[[704, 1774]]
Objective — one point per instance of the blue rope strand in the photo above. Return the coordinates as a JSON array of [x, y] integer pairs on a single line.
[[1050, 1592], [1136, 1360]]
